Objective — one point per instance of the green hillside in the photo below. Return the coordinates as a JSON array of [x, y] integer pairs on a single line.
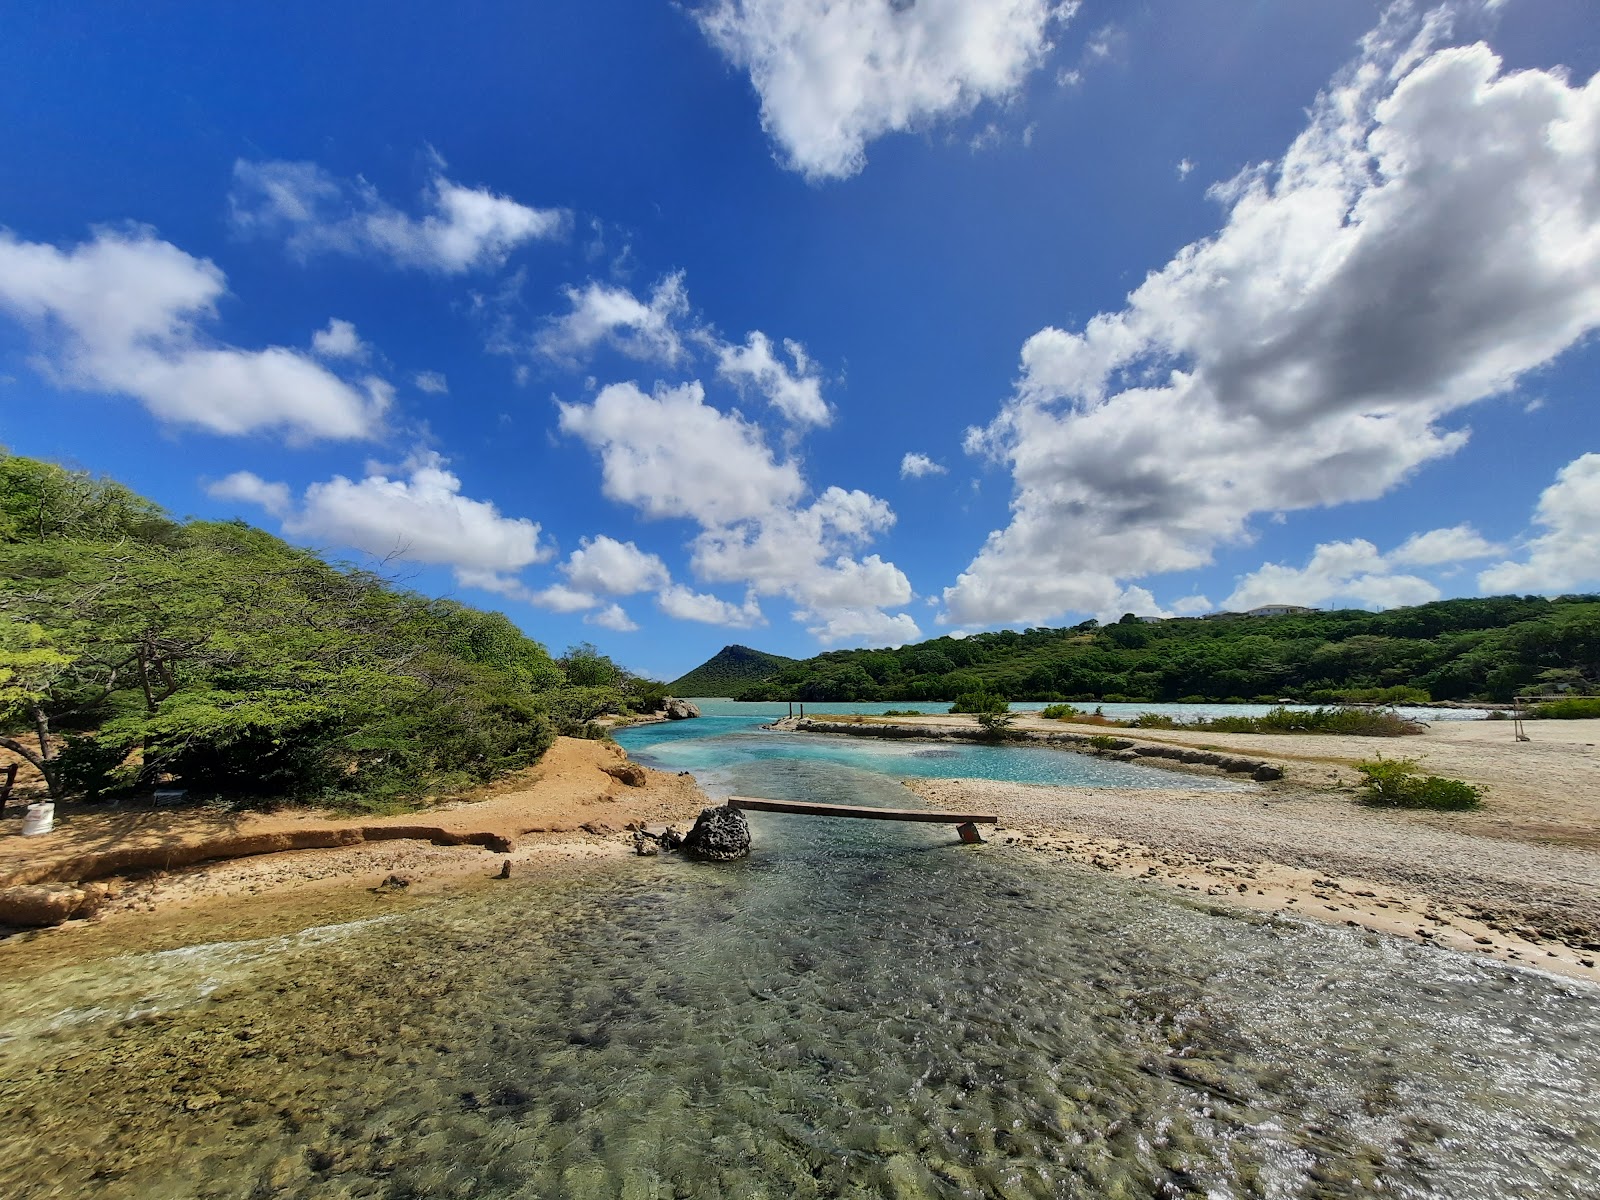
[[730, 671], [138, 650], [1489, 649]]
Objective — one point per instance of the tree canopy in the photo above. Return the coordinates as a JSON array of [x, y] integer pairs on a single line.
[[214, 656], [1472, 649]]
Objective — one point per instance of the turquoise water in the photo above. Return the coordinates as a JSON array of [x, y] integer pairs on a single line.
[[716, 707], [715, 746], [860, 1009]]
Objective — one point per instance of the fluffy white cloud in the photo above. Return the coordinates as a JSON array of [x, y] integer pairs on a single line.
[[688, 605], [801, 552], [1459, 543], [612, 617], [673, 455], [614, 568], [870, 625], [421, 517], [250, 488], [835, 74], [464, 228], [1431, 236], [124, 312], [795, 392], [562, 599], [604, 315], [1352, 571], [915, 466], [1567, 554], [339, 340], [432, 382]]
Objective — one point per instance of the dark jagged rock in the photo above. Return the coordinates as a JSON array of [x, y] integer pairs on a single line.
[[719, 834], [1266, 773]]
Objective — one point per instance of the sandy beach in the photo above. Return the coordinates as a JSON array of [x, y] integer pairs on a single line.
[[130, 863]]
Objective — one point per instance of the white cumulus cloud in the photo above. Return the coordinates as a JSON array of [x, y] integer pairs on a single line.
[[432, 382], [1431, 236], [605, 565], [339, 340], [795, 391], [835, 74], [869, 625], [250, 488], [1352, 571], [463, 229], [688, 605], [126, 313], [602, 314], [612, 617], [417, 514], [672, 455], [1567, 554], [1459, 543], [916, 466]]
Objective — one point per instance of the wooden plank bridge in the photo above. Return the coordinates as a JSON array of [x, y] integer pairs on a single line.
[[966, 823]]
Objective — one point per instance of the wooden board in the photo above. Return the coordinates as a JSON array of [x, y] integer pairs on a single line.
[[932, 816]]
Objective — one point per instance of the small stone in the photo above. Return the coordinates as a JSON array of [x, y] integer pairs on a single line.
[[631, 774]]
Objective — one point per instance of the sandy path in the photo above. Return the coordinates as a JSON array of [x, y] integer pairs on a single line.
[[567, 808]]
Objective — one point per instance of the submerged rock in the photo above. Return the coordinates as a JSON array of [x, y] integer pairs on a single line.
[[680, 710], [719, 834]]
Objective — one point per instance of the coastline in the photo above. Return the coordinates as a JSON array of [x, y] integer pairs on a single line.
[[1517, 880]]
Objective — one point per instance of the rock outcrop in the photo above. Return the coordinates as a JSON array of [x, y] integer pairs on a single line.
[[629, 773], [680, 710], [41, 904], [719, 834]]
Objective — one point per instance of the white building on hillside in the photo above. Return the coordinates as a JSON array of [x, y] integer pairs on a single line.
[[1279, 610]]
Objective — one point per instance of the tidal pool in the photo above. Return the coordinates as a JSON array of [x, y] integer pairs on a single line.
[[860, 1010]]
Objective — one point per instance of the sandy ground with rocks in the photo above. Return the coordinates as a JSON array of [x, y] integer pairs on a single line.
[[1518, 879], [566, 810]]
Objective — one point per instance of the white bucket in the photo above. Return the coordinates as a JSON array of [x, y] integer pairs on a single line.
[[41, 819]]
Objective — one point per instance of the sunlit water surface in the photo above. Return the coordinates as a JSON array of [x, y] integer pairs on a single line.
[[859, 1009]]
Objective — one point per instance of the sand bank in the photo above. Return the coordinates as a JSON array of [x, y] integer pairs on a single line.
[[568, 808], [1518, 879]]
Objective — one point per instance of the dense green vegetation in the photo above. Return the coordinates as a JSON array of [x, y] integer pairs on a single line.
[[1576, 708], [212, 656], [1361, 722], [1473, 649], [1397, 783], [730, 671]]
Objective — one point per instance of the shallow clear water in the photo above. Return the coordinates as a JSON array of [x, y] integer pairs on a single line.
[[859, 1009], [714, 746]]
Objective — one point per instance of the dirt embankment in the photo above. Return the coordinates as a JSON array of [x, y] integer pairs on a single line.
[[577, 801]]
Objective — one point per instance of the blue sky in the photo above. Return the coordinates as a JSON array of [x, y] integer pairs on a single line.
[[816, 323]]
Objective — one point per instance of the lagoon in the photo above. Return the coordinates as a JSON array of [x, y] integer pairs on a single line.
[[859, 1009]]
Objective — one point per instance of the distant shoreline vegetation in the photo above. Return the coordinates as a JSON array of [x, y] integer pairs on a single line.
[[1482, 649]]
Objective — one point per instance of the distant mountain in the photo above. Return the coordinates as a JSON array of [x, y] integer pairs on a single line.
[[730, 671]]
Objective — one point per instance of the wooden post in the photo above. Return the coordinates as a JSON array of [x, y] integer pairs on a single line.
[[969, 833], [791, 708]]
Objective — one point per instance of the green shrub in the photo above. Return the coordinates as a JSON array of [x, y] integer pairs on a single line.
[[902, 712], [980, 702], [1101, 741], [1395, 783], [996, 724], [1575, 708], [1059, 712]]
